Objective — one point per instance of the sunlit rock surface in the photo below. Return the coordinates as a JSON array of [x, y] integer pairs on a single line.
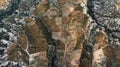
[[4, 4], [59, 33]]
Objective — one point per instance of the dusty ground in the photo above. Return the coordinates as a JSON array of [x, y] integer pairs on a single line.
[[3, 2]]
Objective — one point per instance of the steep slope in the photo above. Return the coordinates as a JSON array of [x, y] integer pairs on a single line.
[[60, 33]]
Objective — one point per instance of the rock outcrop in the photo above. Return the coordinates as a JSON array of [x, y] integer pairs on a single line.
[[60, 33]]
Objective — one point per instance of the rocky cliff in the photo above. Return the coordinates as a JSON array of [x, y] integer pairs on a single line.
[[60, 33]]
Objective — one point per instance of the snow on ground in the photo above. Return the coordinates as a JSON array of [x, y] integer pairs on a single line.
[[3, 30], [12, 37], [4, 64], [5, 42]]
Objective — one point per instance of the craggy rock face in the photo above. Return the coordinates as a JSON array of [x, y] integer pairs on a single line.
[[105, 14], [4, 4], [60, 33]]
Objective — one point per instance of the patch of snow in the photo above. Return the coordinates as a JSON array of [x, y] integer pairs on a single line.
[[4, 41], [4, 64], [22, 21], [15, 63], [4, 57], [3, 30], [12, 37], [2, 48], [23, 0]]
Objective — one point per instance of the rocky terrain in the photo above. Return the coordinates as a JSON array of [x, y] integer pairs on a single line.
[[59, 33]]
